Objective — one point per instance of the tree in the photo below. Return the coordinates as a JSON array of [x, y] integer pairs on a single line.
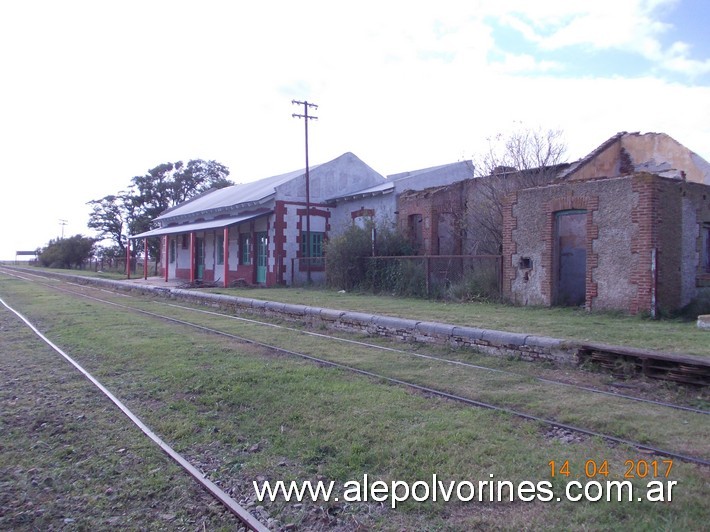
[[197, 177], [522, 159], [109, 217], [160, 188], [168, 185], [67, 252]]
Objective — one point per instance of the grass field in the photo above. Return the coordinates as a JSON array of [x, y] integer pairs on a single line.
[[600, 327], [671, 335], [242, 413]]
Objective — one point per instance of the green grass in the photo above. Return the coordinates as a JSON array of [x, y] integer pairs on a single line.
[[243, 412], [69, 460], [615, 328], [565, 323]]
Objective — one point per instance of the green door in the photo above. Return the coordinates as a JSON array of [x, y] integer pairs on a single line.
[[262, 247], [199, 258]]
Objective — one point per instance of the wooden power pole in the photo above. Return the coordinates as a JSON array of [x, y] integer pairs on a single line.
[[306, 117]]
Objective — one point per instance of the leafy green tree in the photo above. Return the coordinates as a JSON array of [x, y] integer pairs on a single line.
[[170, 184], [109, 217], [150, 194], [70, 252]]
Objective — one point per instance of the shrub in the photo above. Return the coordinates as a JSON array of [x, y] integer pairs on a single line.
[[346, 268], [349, 265]]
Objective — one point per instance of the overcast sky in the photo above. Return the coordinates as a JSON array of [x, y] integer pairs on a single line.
[[93, 93]]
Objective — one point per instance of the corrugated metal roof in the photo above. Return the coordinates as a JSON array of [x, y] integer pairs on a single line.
[[232, 196], [200, 226], [383, 188], [460, 169], [415, 180]]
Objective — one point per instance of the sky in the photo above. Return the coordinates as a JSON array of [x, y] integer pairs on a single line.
[[94, 93]]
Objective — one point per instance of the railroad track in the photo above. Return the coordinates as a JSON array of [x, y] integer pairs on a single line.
[[430, 390], [243, 515]]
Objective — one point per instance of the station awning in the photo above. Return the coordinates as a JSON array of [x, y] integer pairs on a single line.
[[200, 226]]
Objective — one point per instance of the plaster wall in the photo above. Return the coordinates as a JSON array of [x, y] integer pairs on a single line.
[[613, 247], [384, 207], [604, 164], [655, 153], [609, 205], [660, 154], [343, 175]]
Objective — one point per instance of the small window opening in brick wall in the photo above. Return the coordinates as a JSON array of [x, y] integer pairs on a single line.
[[526, 263]]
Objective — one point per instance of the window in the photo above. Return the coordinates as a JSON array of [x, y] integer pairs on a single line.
[[219, 242], [172, 250], [316, 244], [245, 249], [316, 260], [184, 241]]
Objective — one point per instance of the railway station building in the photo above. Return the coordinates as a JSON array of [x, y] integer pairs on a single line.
[[256, 233]]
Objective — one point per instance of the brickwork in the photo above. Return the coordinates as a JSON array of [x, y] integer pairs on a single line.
[[510, 246], [645, 216], [530, 222], [631, 220], [702, 246], [431, 204], [279, 247]]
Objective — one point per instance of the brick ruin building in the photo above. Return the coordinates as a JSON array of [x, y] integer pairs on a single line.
[[626, 228]]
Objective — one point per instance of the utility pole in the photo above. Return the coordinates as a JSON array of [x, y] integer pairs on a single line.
[[306, 117], [62, 223]]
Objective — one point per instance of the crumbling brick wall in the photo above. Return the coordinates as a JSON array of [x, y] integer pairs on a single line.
[[631, 221]]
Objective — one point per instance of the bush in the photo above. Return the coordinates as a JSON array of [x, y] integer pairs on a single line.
[[477, 284], [67, 252], [345, 267], [349, 265]]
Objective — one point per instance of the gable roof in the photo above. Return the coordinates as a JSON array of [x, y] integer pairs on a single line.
[[346, 172], [233, 196], [444, 174], [458, 170]]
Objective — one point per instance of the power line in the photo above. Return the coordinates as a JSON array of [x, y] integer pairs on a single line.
[[306, 117], [63, 222]]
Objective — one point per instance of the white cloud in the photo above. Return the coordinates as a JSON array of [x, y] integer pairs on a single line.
[[96, 93], [525, 63], [624, 25]]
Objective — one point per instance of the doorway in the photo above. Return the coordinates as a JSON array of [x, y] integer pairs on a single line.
[[571, 258], [262, 249], [199, 258]]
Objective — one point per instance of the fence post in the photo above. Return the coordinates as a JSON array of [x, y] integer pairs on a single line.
[[428, 272]]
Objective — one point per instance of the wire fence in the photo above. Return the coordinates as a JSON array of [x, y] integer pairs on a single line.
[[438, 276], [459, 277]]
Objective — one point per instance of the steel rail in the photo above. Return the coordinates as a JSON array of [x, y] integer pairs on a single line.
[[449, 361], [415, 354], [240, 512], [415, 386]]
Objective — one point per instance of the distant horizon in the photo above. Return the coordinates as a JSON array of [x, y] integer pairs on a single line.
[[97, 93]]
